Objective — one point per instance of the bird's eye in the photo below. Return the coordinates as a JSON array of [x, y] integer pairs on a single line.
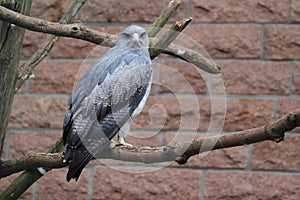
[[143, 34], [127, 35]]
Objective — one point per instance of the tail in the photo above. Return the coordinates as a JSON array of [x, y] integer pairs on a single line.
[[80, 158]]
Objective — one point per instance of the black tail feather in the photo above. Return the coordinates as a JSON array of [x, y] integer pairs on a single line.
[[79, 161]]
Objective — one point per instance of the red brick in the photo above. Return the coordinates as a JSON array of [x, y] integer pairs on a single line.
[[55, 76], [295, 15], [287, 105], [238, 114], [248, 113], [181, 77], [23, 143], [5, 182], [157, 184], [182, 113], [235, 157], [140, 138], [51, 10], [154, 77], [43, 112], [280, 156], [296, 78], [251, 185], [282, 42], [253, 77], [226, 40], [240, 11], [53, 185], [128, 11], [170, 113], [31, 43], [74, 48]]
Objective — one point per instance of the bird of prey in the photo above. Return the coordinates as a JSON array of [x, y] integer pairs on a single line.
[[112, 92]]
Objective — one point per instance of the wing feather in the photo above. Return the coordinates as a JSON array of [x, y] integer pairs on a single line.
[[102, 103]]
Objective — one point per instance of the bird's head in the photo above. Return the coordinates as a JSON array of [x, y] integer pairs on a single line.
[[134, 37]]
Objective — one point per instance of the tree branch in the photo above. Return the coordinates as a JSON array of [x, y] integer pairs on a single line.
[[168, 37], [25, 69], [82, 32], [163, 18], [176, 152]]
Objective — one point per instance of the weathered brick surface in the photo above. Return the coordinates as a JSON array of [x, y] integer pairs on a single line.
[[248, 113], [172, 113], [128, 11], [5, 182], [240, 11], [282, 42], [38, 112], [72, 48], [295, 15], [227, 40], [51, 10], [254, 185], [158, 184], [31, 43], [296, 78], [181, 77], [253, 77], [281, 156], [225, 158], [55, 77], [167, 114], [287, 105], [53, 185], [142, 138], [23, 143]]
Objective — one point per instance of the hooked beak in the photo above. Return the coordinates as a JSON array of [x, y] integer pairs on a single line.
[[136, 36]]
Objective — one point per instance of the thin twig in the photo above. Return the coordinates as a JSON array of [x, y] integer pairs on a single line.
[[175, 152], [163, 18], [168, 37]]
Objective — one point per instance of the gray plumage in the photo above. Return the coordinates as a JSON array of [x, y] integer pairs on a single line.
[[112, 92]]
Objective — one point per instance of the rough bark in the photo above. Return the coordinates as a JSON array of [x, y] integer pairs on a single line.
[[11, 39], [80, 31], [179, 153]]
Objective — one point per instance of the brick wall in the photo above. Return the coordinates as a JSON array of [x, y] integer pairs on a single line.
[[256, 41]]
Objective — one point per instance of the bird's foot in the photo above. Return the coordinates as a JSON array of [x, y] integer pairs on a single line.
[[120, 142]]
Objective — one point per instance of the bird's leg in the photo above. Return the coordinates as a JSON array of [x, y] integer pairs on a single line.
[[123, 131], [121, 141]]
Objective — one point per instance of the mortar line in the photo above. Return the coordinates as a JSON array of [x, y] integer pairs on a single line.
[[249, 157], [157, 77], [33, 191], [202, 184], [91, 182]]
